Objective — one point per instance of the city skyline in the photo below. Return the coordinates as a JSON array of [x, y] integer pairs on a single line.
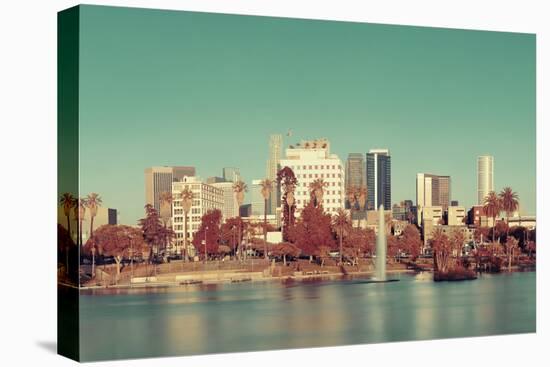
[[436, 98]]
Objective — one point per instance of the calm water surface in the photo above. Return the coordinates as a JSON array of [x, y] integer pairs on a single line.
[[201, 319]]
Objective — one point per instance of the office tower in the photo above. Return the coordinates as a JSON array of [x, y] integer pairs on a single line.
[[256, 198], [433, 190], [159, 179], [311, 160], [355, 171], [205, 197], [485, 183], [231, 174], [179, 172], [230, 205], [273, 166], [379, 179], [215, 179]]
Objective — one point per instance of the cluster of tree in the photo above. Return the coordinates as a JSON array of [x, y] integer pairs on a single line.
[[120, 242]]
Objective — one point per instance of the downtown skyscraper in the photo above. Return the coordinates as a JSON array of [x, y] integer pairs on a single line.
[[433, 190], [273, 166], [485, 180], [355, 171], [379, 179]]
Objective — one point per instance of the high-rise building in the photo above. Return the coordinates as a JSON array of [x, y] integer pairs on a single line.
[[485, 183], [215, 179], [231, 174], [379, 179], [273, 166], [256, 198], [230, 205], [179, 172], [311, 160], [157, 180], [205, 198], [433, 190], [355, 171]]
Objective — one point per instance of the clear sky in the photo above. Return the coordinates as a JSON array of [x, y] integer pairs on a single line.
[[179, 88]]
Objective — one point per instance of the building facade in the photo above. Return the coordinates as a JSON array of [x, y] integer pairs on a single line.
[[485, 179], [378, 178], [311, 160], [456, 216], [230, 205], [355, 172], [256, 199], [205, 197], [231, 174], [432, 217]]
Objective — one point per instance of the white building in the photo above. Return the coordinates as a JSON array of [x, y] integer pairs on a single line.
[[312, 160], [485, 183], [205, 197], [456, 215], [432, 217], [230, 205]]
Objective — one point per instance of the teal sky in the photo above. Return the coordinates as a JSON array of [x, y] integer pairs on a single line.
[[180, 88]]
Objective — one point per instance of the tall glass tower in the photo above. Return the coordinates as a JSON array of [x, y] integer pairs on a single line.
[[379, 179], [485, 183]]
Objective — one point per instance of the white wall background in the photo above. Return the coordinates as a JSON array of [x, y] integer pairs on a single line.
[[28, 187]]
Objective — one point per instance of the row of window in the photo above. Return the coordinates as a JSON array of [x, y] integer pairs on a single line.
[[316, 166], [325, 201], [319, 175], [328, 192], [305, 184]]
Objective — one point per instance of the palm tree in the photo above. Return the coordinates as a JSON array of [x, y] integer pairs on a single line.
[[186, 203], [290, 202], [492, 208], [68, 202], [351, 193], [93, 202], [239, 188], [79, 212], [362, 199], [510, 203], [317, 188], [165, 199], [340, 221], [267, 187]]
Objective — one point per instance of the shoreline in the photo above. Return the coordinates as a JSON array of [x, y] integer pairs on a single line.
[[172, 284], [242, 278]]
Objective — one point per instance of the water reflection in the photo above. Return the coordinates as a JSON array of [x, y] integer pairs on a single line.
[[198, 319]]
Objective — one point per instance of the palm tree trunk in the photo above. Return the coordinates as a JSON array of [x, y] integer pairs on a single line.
[[494, 227], [265, 229], [184, 252], [67, 247], [91, 226], [80, 231], [341, 230]]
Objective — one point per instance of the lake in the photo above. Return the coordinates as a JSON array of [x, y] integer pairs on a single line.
[[200, 319]]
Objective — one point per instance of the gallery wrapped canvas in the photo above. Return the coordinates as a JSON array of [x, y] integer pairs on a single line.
[[234, 183]]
